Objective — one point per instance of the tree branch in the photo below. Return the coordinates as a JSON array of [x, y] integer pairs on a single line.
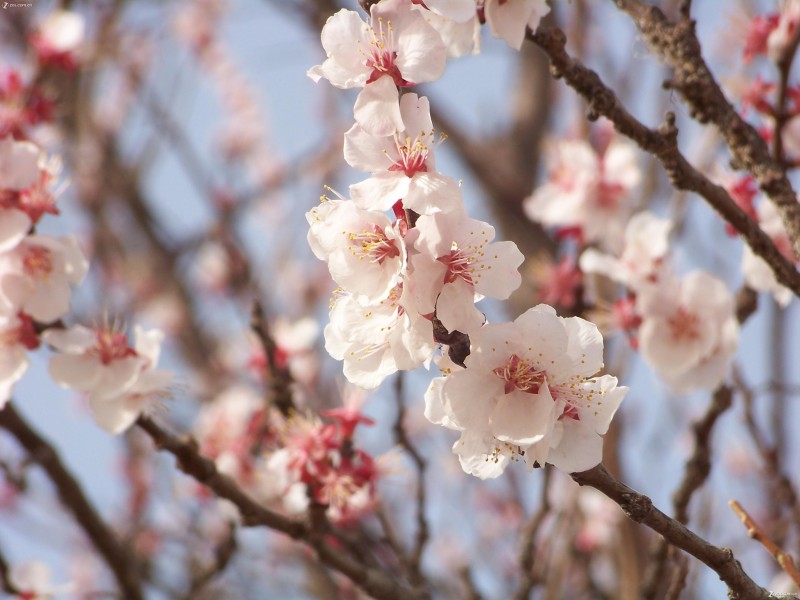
[[640, 508], [190, 461], [677, 43], [662, 143], [117, 557]]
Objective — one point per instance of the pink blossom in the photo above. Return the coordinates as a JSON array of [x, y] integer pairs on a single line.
[[121, 380], [527, 390], [558, 283], [509, 19], [402, 164], [685, 325], [319, 461], [456, 261], [588, 189], [36, 275], [779, 37], [645, 245], [59, 39], [364, 251], [379, 339], [395, 48]]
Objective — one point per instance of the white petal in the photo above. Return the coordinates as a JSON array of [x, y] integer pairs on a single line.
[[435, 410], [366, 152], [78, 372], [433, 192], [470, 397], [480, 456], [455, 307], [579, 448], [585, 346], [380, 191], [14, 226], [75, 340], [497, 274], [377, 108], [114, 415], [522, 418]]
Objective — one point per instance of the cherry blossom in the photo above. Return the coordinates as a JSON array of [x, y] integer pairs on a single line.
[[527, 391], [377, 340], [402, 164], [319, 461], [457, 260], [709, 372], [35, 276], [17, 336], [364, 251], [21, 105], [233, 426], [587, 189], [25, 189], [508, 19], [396, 48], [32, 579], [757, 273], [645, 245], [59, 39], [684, 325], [120, 380], [780, 36], [558, 283]]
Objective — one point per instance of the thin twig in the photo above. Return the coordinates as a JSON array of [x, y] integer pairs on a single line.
[[528, 538], [754, 531], [223, 553], [402, 438], [279, 377], [5, 577]]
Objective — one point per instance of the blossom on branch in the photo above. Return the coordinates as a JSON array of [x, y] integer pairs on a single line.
[[120, 380], [395, 48], [529, 391], [588, 189], [402, 164]]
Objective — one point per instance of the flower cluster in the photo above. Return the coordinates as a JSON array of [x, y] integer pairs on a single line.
[[38, 271], [589, 190], [410, 282], [319, 462], [528, 391], [291, 461], [687, 328]]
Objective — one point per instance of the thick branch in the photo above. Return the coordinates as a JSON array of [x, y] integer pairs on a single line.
[[677, 43], [640, 508], [662, 143], [116, 556]]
